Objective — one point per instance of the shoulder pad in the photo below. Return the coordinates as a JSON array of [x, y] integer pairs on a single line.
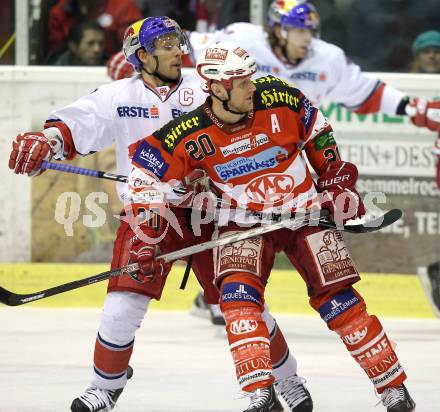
[[272, 92], [175, 130]]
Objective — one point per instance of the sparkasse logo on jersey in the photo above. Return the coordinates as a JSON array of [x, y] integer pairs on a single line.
[[242, 166], [244, 145]]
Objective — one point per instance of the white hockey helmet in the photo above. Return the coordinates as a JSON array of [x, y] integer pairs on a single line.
[[224, 62]]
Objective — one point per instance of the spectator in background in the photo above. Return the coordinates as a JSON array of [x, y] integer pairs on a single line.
[[381, 32], [112, 15], [426, 52], [85, 46]]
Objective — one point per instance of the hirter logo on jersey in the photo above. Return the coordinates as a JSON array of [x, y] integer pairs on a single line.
[[151, 159], [270, 188], [216, 53]]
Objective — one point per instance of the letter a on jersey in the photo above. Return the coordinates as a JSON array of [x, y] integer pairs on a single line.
[[275, 125]]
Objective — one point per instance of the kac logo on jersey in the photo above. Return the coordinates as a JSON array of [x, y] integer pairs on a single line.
[[242, 166], [138, 111], [239, 327], [151, 159], [355, 337], [270, 188]]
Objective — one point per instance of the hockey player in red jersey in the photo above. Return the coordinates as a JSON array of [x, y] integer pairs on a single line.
[[123, 112], [251, 138]]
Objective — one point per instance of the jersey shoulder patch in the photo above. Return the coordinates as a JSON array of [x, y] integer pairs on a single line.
[[273, 92], [175, 130]]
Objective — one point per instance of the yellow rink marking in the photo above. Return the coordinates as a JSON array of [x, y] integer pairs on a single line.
[[386, 295]]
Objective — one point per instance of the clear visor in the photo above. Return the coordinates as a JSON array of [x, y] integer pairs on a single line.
[[168, 42]]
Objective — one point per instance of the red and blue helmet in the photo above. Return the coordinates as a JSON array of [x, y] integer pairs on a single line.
[[278, 8], [302, 16], [144, 33]]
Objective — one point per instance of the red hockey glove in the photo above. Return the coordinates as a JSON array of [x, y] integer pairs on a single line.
[[118, 68], [424, 113], [436, 152], [29, 150], [337, 185], [145, 255]]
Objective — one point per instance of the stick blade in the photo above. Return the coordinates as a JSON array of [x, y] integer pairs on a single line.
[[379, 223], [6, 297]]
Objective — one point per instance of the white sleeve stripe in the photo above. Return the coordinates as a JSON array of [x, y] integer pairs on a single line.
[[31, 150], [391, 98], [19, 157]]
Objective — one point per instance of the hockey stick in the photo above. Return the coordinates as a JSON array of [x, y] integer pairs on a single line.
[[62, 167], [387, 219], [372, 226], [14, 299]]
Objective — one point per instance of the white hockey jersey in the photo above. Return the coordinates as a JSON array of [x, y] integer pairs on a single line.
[[123, 112], [326, 73]]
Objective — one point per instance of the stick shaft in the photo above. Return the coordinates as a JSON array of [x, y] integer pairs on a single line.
[[62, 167], [15, 299]]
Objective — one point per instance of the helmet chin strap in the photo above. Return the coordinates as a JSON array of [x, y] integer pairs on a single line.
[[225, 103], [156, 73]]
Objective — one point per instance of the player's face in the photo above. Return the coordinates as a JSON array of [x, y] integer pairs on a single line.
[[170, 56], [429, 60], [242, 95], [90, 49], [298, 43]]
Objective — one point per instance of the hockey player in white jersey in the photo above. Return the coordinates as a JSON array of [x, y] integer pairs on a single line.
[[291, 50], [123, 112]]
